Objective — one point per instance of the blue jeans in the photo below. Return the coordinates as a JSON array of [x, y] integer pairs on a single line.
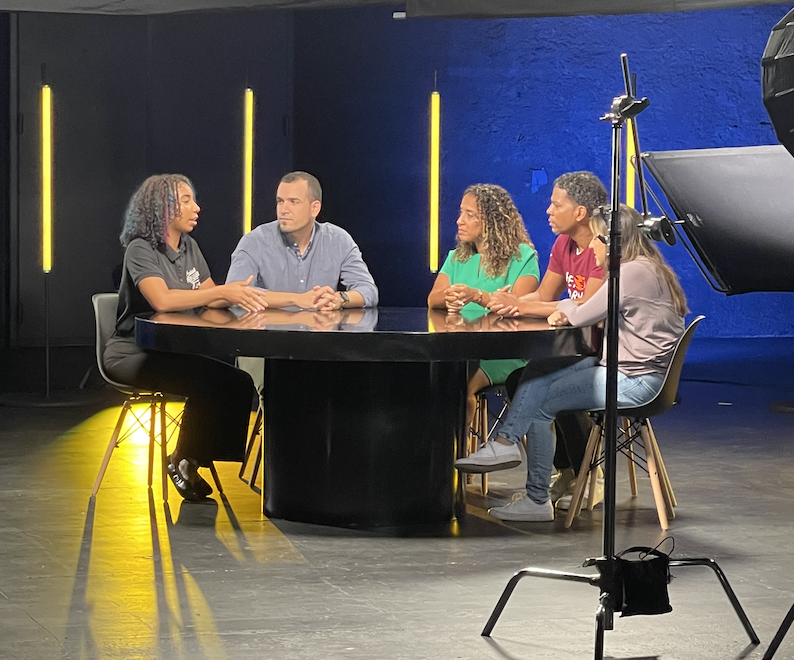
[[582, 386]]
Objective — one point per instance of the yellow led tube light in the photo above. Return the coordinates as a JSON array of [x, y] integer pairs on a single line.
[[435, 157], [631, 171], [46, 178], [248, 161]]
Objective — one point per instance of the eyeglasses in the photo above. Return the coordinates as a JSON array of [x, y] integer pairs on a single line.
[[603, 239]]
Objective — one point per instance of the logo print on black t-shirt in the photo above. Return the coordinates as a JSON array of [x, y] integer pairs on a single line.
[[193, 278]]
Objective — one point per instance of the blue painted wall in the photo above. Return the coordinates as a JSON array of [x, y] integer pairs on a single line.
[[521, 103]]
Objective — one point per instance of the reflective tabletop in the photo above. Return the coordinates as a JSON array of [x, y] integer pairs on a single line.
[[378, 334]]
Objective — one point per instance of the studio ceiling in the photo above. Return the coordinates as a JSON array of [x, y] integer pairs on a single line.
[[414, 8]]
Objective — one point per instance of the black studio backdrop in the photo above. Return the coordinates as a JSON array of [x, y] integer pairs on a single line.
[[414, 8]]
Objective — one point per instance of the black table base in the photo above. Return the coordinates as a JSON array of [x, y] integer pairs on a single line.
[[363, 443], [364, 428]]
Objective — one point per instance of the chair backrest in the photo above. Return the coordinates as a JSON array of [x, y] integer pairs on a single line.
[[105, 309], [664, 400]]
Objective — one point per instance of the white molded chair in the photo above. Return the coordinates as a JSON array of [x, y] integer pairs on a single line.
[[637, 427]]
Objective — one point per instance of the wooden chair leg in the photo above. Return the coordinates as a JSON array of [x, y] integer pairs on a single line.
[[474, 431], [592, 478], [658, 496], [590, 457], [627, 429], [663, 479], [662, 468], [114, 439]]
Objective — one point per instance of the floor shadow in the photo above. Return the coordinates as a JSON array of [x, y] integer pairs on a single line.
[[175, 560], [78, 639]]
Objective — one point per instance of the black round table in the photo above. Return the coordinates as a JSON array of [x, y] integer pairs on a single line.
[[364, 409]]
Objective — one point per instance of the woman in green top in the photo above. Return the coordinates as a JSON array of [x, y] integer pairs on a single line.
[[493, 251]]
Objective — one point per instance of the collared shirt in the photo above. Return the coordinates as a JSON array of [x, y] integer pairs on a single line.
[[276, 263], [182, 269]]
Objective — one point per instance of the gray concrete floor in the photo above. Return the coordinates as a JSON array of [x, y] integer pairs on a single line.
[[131, 578]]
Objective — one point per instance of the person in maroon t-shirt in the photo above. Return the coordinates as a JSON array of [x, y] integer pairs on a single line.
[[572, 264], [572, 267]]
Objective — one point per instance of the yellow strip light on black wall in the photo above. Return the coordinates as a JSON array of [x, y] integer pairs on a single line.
[[46, 178], [248, 161], [631, 171], [435, 157]]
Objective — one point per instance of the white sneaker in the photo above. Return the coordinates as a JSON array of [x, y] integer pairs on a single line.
[[523, 509], [493, 456], [564, 503]]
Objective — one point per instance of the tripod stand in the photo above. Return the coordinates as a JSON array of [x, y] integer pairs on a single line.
[[608, 579]]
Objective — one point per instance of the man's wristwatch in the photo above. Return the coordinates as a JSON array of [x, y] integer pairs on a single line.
[[345, 298]]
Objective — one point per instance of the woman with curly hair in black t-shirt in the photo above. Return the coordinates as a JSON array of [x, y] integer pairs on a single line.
[[164, 271]]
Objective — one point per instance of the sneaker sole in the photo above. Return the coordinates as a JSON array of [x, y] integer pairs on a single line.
[[564, 506], [518, 518], [482, 469]]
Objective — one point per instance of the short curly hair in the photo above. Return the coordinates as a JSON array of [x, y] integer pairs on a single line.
[[152, 208], [503, 229], [584, 188]]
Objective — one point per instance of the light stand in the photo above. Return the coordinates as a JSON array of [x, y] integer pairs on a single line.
[[778, 100], [62, 399], [608, 579]]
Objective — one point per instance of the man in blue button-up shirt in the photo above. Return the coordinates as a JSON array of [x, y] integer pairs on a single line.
[[302, 262]]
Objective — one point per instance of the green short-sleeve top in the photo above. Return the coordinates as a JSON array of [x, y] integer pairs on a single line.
[[470, 273]]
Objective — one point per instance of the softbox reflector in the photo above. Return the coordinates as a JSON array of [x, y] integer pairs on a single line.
[[778, 80], [736, 206]]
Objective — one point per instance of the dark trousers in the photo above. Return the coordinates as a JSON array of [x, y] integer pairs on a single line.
[[215, 420], [572, 428]]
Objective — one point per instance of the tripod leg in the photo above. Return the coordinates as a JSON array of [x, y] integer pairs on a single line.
[[532, 572], [710, 563], [599, 639], [500, 605], [779, 635]]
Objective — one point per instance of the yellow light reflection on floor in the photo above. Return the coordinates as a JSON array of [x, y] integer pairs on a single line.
[[145, 570], [120, 589]]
